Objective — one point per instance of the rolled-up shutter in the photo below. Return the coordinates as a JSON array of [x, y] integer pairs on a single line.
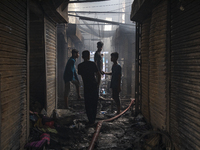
[[13, 70], [157, 70], [145, 68], [185, 74], [50, 52]]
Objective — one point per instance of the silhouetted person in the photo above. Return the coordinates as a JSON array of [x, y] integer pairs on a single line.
[[98, 59], [115, 80], [70, 75], [87, 70]]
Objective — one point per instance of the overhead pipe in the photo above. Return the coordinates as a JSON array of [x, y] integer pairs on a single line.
[[99, 125]]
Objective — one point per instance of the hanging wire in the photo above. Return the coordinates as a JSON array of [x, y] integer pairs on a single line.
[[100, 5], [120, 8]]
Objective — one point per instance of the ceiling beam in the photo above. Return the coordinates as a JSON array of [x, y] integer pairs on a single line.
[[90, 12], [86, 1], [99, 20], [93, 24], [93, 39]]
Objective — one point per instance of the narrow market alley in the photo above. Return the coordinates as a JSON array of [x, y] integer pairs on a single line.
[[89, 23], [99, 74]]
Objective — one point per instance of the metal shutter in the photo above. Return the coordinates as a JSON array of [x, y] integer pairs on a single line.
[[157, 70], [61, 62], [13, 62], [37, 61], [50, 54], [145, 68], [185, 75]]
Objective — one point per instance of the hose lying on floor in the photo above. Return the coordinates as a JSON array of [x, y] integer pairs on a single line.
[[98, 128]]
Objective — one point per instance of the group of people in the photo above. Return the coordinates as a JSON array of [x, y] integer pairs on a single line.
[[91, 75]]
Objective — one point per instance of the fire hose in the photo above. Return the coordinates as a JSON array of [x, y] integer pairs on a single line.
[[99, 125]]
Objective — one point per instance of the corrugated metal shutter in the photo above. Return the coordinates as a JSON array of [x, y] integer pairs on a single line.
[[133, 70], [185, 75], [50, 48], [125, 70], [37, 62], [61, 62], [13, 69], [157, 60], [145, 68]]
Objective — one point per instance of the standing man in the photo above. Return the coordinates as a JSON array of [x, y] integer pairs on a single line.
[[87, 70], [70, 75], [98, 59], [115, 80]]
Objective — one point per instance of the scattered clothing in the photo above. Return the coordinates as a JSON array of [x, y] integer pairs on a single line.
[[45, 138]]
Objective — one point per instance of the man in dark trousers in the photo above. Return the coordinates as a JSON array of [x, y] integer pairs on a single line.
[[98, 59], [87, 70], [115, 80], [70, 75]]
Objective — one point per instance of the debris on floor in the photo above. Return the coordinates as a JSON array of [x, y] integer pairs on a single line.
[[67, 129]]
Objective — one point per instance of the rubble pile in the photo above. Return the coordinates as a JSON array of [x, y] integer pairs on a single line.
[[66, 129]]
